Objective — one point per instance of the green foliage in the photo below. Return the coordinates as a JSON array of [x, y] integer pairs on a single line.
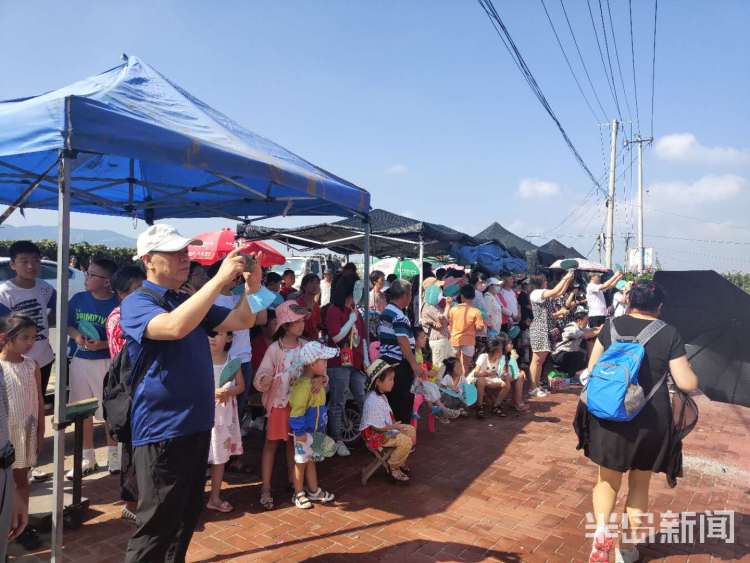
[[740, 279], [83, 250]]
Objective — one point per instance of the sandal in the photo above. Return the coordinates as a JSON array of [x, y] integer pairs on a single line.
[[300, 500], [399, 476], [224, 507], [266, 500], [603, 544], [480, 413], [320, 496], [498, 411]]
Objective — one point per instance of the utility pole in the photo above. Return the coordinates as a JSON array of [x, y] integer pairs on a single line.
[[627, 247], [641, 249], [610, 241]]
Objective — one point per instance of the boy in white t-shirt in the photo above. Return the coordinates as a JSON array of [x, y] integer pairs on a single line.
[[32, 297], [27, 295], [597, 304]]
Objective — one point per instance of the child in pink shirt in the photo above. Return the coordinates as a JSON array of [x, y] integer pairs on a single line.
[[280, 368]]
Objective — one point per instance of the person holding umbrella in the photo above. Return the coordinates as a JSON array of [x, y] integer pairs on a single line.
[[644, 445]]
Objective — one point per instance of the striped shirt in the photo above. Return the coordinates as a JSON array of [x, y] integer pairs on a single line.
[[4, 433], [393, 323]]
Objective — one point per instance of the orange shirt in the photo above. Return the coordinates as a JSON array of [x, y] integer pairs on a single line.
[[465, 321]]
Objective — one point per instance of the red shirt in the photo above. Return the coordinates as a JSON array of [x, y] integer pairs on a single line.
[[336, 318], [286, 291], [259, 346], [314, 322]]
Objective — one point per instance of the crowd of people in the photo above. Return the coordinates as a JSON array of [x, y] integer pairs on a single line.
[[219, 351]]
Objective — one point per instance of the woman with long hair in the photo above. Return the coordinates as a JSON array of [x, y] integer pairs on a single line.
[[539, 332]]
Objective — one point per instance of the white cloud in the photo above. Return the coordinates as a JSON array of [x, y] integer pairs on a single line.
[[397, 169], [708, 189], [532, 188], [684, 147]]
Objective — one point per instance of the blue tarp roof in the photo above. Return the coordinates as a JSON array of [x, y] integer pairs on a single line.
[[187, 159]]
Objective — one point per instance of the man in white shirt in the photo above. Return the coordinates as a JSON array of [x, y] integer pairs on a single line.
[[325, 287], [511, 300], [595, 299]]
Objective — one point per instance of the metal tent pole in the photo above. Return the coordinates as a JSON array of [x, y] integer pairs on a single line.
[[366, 284], [61, 376], [418, 313]]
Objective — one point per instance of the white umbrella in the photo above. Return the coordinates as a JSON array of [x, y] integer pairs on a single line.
[[580, 264]]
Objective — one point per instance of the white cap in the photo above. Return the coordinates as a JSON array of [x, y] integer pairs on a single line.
[[495, 281], [162, 238]]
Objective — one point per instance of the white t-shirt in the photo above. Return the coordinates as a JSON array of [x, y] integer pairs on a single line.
[[325, 293], [511, 301], [34, 303], [376, 411], [537, 296], [447, 381], [241, 348], [595, 300], [618, 301]]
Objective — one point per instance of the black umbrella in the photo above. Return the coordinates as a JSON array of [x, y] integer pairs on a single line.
[[713, 317]]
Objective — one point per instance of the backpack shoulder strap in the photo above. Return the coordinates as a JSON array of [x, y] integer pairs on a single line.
[[160, 300], [653, 328], [614, 336]]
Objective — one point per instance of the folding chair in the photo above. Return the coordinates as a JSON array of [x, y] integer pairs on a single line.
[[381, 460], [431, 420]]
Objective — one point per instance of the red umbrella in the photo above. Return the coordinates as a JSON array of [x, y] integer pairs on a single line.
[[217, 244]]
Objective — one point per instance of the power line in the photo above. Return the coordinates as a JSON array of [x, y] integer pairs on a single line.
[[632, 57], [583, 63], [617, 58], [653, 68], [610, 80], [570, 67], [512, 48]]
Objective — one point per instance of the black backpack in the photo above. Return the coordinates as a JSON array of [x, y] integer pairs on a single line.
[[123, 378]]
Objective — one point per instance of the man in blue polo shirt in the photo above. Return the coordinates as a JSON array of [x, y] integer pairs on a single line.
[[173, 405]]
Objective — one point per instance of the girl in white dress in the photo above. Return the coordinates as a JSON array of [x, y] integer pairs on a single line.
[[23, 386], [226, 439]]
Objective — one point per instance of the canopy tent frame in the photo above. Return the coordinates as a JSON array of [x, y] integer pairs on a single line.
[[157, 164]]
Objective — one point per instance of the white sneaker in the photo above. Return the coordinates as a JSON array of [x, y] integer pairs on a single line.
[[538, 392], [342, 450], [87, 468], [38, 474], [114, 464]]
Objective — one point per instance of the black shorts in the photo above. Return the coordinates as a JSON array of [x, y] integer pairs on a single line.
[[597, 321]]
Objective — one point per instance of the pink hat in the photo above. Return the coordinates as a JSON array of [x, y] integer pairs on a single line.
[[290, 312]]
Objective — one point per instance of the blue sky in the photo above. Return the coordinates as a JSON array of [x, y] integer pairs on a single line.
[[419, 103]]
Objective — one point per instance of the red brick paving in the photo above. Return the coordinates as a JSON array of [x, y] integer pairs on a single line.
[[511, 489]]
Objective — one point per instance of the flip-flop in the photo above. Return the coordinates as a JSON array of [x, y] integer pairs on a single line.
[[266, 501], [224, 507]]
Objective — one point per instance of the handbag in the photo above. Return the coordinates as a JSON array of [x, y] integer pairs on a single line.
[[347, 352]]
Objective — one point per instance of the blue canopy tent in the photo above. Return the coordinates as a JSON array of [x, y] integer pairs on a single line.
[[128, 142]]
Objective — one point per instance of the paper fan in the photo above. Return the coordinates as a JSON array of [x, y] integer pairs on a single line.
[[88, 330], [229, 371], [470, 394]]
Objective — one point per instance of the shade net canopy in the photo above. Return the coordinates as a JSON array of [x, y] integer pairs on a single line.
[[713, 317], [559, 250], [516, 245], [392, 235], [146, 148]]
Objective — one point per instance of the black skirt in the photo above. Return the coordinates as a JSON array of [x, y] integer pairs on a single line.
[[645, 443]]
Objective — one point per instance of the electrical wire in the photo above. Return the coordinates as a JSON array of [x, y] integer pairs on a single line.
[[653, 68], [610, 79], [617, 58], [570, 67], [632, 58], [512, 48], [583, 62]]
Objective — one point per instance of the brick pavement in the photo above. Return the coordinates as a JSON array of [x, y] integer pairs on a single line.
[[502, 489]]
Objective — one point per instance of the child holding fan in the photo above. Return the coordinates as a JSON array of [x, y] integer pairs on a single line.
[[226, 440]]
